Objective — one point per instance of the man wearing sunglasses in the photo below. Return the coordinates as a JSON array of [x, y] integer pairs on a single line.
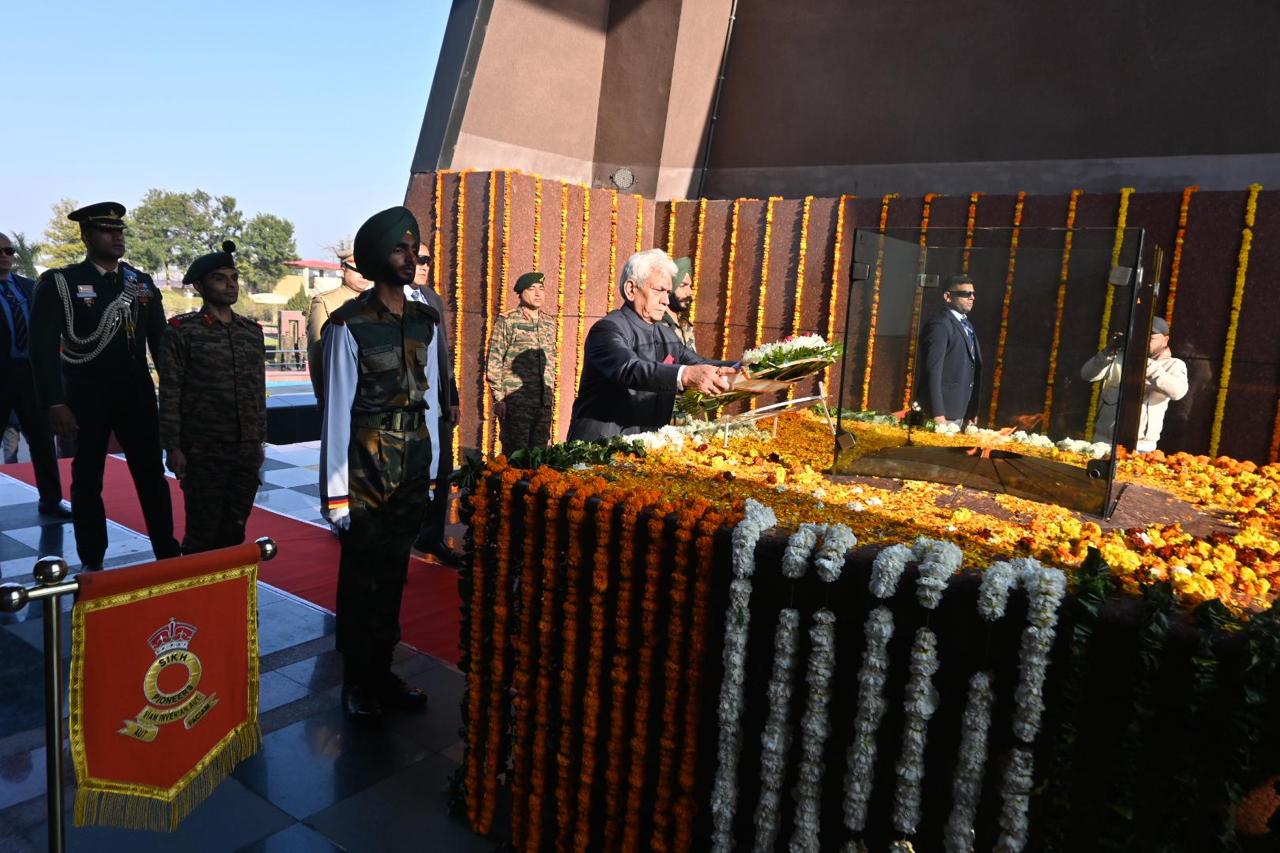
[[17, 386], [950, 374], [324, 304]]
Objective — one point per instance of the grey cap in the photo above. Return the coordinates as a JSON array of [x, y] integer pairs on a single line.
[[1159, 326]]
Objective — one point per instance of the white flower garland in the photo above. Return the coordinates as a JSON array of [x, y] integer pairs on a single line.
[[795, 559], [674, 437], [967, 788], [993, 591], [814, 728], [887, 569], [724, 797], [776, 738], [871, 707], [837, 541], [922, 702], [1016, 798], [784, 346], [938, 562]]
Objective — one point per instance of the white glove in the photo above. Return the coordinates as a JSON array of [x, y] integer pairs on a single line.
[[339, 517]]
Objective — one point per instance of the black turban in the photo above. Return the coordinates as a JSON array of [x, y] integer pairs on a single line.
[[206, 264], [378, 236]]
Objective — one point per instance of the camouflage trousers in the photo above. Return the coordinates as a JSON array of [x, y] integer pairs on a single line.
[[218, 488], [525, 427], [389, 488]]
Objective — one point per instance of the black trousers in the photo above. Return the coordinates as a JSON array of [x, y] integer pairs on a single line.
[[132, 416], [525, 427], [218, 490], [433, 524], [18, 394]]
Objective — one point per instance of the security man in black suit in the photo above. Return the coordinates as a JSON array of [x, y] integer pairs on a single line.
[[91, 324], [950, 375], [18, 389]]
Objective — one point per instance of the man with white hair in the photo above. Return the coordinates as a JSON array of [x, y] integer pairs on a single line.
[[633, 364]]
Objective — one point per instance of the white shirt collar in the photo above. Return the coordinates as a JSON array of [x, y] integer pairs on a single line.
[[103, 270], [957, 314]]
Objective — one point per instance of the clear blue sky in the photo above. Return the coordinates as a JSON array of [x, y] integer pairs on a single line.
[[308, 110]]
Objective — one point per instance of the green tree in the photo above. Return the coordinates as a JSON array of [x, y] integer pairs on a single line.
[[62, 243], [29, 252], [299, 301], [265, 244], [164, 233]]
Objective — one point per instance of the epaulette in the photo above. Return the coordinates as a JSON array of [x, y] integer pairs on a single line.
[[178, 319], [248, 321]]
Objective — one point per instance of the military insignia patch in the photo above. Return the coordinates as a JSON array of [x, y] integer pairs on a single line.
[[179, 700]]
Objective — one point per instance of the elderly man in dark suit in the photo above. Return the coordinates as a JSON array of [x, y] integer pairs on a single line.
[[950, 359], [17, 386], [634, 364]]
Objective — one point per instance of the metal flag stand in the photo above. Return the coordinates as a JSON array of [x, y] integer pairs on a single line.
[[52, 582]]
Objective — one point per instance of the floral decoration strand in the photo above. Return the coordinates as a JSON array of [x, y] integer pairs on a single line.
[[1104, 330], [1045, 590], [938, 562], [639, 222], [994, 588], [728, 278], [486, 422], [1016, 801], [613, 246], [828, 560], [1175, 266], [762, 292], [970, 225], [476, 658], [459, 292], [1059, 308], [815, 727], [1233, 326], [795, 558], [671, 228], [537, 222], [887, 569], [505, 288], [922, 702], [800, 263], [775, 740], [875, 302], [582, 287], [560, 284], [697, 259], [833, 299], [1005, 306], [917, 303], [871, 707], [966, 789], [724, 795], [438, 241]]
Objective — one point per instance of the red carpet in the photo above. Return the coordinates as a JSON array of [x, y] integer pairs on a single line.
[[307, 564]]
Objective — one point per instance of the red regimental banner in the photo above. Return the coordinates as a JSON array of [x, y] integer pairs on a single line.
[[164, 685]]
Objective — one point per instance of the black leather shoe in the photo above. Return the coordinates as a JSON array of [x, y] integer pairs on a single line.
[[361, 703], [446, 556], [91, 567], [404, 697], [61, 509]]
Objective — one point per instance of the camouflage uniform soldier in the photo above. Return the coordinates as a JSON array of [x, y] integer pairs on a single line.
[[213, 405], [681, 299], [521, 368]]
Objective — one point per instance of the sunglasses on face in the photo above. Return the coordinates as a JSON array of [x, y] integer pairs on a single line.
[[963, 294], [423, 260], [8, 250]]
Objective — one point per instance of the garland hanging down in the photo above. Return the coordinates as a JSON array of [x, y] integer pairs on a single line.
[[697, 259], [560, 283], [762, 293], [486, 426], [1059, 308], [459, 291], [833, 298], [1175, 266], [1104, 329], [727, 316], [917, 303], [875, 302], [613, 247], [582, 287], [998, 374], [1233, 325]]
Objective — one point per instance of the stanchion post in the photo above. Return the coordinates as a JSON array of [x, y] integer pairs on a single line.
[[49, 572]]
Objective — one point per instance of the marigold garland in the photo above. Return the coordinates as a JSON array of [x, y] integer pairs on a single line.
[[506, 241], [1233, 326], [697, 259], [671, 228], [475, 652], [1175, 266], [639, 222], [833, 300], [728, 279], [1104, 330], [1004, 306], [613, 246], [1059, 308], [875, 302], [970, 225], [438, 244], [918, 302], [763, 290], [1273, 455], [459, 266], [537, 222], [582, 285], [800, 261], [560, 282], [486, 423]]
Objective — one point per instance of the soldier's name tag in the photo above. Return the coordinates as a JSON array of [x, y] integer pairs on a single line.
[[85, 291]]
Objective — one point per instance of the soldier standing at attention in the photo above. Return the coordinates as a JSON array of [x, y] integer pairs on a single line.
[[681, 299], [375, 454], [323, 305], [521, 368], [91, 324], [213, 405]]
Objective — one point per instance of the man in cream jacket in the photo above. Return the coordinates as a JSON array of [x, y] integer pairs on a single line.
[[1166, 380]]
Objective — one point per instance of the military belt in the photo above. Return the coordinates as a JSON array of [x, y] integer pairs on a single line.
[[405, 420]]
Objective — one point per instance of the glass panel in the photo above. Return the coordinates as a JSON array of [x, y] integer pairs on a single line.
[[1022, 354]]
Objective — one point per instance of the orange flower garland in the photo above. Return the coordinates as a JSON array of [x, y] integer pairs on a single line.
[[804, 250], [686, 523], [1060, 307], [1175, 266], [697, 259], [475, 652], [1004, 306], [970, 224], [537, 222], [560, 276], [459, 290], [602, 569], [486, 423], [875, 303], [438, 266], [582, 283], [639, 222], [498, 659], [833, 301], [1237, 302], [613, 245], [671, 227], [918, 303], [1104, 331], [762, 292], [644, 674], [506, 241], [728, 279]]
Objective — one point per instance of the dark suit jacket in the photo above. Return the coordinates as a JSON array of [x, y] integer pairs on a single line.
[[625, 387], [950, 377], [27, 287]]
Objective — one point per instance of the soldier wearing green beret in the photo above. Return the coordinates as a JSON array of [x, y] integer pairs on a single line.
[[681, 301], [91, 326], [381, 409], [213, 405], [521, 368]]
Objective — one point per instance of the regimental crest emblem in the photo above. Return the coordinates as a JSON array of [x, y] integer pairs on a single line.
[[171, 644]]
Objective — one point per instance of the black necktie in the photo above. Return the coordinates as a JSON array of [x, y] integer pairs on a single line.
[[19, 321], [968, 334]]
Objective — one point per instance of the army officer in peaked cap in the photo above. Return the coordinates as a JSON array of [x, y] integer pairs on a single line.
[[91, 326]]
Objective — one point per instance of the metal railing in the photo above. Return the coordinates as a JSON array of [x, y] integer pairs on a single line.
[[286, 359], [53, 580]]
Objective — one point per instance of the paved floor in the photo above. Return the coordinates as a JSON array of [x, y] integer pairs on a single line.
[[319, 783]]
